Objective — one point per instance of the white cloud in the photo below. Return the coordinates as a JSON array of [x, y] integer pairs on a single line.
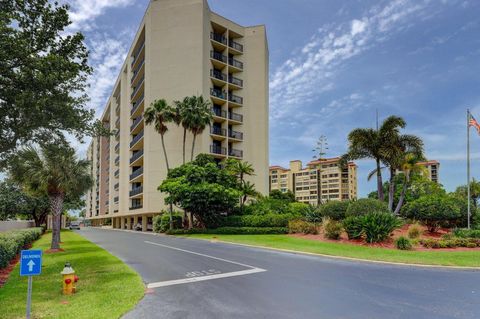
[[84, 12], [311, 72]]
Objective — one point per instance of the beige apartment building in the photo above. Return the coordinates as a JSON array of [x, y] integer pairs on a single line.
[[320, 181], [181, 49], [432, 168]]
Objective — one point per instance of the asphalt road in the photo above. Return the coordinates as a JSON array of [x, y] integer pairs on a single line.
[[202, 279]]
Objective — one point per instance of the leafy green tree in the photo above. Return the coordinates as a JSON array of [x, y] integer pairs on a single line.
[[248, 190], [43, 73], [474, 191], [202, 188], [288, 196], [55, 170]]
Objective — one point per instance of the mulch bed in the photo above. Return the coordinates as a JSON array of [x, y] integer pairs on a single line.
[[390, 242]]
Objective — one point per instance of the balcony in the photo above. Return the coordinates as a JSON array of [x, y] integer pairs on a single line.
[[219, 113], [218, 131], [137, 71], [135, 191], [235, 153], [117, 148], [137, 53], [117, 109], [235, 63], [218, 93], [137, 138], [235, 98], [136, 156], [218, 37], [116, 186], [136, 104], [137, 87], [117, 173], [218, 56], [136, 173], [117, 123], [235, 45], [236, 135], [136, 122], [218, 75], [117, 160], [115, 199], [136, 207], [235, 117], [235, 81], [215, 149]]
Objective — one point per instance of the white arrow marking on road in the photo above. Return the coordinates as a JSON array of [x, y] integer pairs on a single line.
[[30, 265]]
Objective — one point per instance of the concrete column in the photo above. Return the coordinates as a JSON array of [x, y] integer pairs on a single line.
[[122, 222], [129, 224], [144, 222], [135, 221]]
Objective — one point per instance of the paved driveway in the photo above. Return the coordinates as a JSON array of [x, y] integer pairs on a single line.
[[200, 279]]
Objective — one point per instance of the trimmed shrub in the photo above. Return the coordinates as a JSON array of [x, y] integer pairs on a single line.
[[266, 220], [378, 226], [299, 209], [365, 206], [301, 226], [403, 243], [433, 210], [353, 226], [161, 223], [414, 231], [333, 229], [314, 216], [231, 231], [466, 233], [11, 242], [334, 209]]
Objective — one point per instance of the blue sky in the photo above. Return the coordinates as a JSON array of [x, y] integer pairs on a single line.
[[332, 64]]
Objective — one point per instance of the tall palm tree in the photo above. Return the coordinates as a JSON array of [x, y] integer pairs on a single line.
[[159, 114], [239, 168], [408, 166], [201, 117], [184, 111], [56, 170]]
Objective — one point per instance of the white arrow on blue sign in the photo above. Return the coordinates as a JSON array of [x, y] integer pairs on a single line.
[[30, 262]]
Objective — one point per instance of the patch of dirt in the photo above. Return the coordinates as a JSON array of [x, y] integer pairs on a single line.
[[390, 242], [53, 251]]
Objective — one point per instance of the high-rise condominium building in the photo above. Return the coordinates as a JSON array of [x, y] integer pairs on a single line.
[[325, 178], [181, 49]]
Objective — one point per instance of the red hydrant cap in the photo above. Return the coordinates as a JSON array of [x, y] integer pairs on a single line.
[[75, 278], [68, 281]]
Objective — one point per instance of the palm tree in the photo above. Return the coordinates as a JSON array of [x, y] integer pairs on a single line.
[[160, 114], [239, 168], [248, 190], [201, 117], [408, 166], [55, 170], [184, 116]]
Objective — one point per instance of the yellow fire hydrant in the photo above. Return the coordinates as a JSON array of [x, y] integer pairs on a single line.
[[69, 279]]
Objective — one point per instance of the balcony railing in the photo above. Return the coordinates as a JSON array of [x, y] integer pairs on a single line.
[[117, 134], [235, 63], [115, 199], [117, 147], [218, 37], [235, 81], [136, 173], [136, 88], [136, 156], [235, 134], [136, 207], [117, 122], [218, 93], [116, 186], [219, 113], [136, 191], [136, 138], [218, 56], [235, 153], [235, 45], [117, 160], [137, 69], [235, 98], [117, 173], [217, 131], [218, 75], [135, 55], [235, 116], [135, 122], [136, 104], [215, 149]]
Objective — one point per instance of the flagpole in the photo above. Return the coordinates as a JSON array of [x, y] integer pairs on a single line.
[[468, 168]]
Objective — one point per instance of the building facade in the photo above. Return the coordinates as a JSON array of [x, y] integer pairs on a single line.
[[432, 168], [181, 49], [320, 181]]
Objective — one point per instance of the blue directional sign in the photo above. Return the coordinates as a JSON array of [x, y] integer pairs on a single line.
[[30, 262]]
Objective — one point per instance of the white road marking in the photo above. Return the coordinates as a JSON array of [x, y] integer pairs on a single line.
[[252, 269], [203, 278]]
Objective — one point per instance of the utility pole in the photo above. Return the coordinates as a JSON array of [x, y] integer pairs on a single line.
[[320, 151]]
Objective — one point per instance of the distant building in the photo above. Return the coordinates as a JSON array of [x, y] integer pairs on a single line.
[[432, 168], [320, 181]]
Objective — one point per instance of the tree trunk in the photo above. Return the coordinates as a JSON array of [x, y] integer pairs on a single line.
[[185, 220], [56, 207], [193, 146], [401, 199], [391, 190], [190, 221], [184, 141], [165, 153], [379, 182]]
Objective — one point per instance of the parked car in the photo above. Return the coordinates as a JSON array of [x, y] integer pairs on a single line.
[[74, 225]]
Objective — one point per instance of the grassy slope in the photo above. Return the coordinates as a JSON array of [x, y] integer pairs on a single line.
[[460, 258], [107, 287]]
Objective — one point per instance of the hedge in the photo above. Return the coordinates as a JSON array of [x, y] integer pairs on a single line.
[[231, 231], [267, 220], [11, 242], [161, 223], [466, 233]]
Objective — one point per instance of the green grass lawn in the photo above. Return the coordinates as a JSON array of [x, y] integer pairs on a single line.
[[444, 258], [107, 287]]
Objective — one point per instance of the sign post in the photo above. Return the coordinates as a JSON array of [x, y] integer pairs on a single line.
[[30, 265]]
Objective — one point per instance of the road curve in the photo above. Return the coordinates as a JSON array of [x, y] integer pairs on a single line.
[[200, 279]]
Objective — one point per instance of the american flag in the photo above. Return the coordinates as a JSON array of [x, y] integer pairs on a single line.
[[473, 122]]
